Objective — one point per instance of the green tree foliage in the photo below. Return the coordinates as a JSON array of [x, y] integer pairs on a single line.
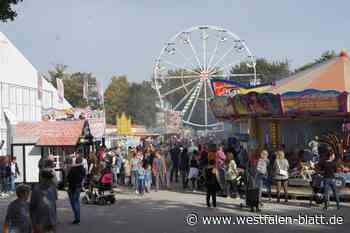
[[116, 98], [323, 58], [73, 86], [141, 103], [267, 71], [6, 10]]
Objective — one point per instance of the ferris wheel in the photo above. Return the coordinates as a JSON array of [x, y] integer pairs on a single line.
[[189, 62]]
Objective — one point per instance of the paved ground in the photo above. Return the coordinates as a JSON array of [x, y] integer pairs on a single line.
[[165, 212]]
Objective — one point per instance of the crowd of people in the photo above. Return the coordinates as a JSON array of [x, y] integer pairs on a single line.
[[222, 169]]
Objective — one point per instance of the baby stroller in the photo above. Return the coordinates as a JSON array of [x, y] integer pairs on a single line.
[[317, 187], [100, 192]]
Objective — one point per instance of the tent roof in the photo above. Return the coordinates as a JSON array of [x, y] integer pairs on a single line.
[[49, 133], [331, 75]]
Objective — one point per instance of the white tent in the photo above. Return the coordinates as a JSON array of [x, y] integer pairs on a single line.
[[19, 96]]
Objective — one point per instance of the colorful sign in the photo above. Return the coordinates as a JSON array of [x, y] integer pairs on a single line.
[[221, 107], [256, 104], [314, 101], [97, 127], [225, 87]]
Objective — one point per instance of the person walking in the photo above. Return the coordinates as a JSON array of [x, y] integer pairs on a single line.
[[184, 167], [194, 170], [262, 172], [148, 177], [75, 179], [134, 165], [8, 176], [42, 207], [14, 173], [141, 179], [329, 167], [17, 218], [159, 171], [3, 181], [175, 154], [281, 167], [220, 165], [211, 175], [231, 177]]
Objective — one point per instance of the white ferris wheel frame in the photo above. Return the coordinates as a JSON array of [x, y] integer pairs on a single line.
[[209, 69]]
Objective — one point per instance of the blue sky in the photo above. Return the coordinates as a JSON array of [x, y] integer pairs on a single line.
[[114, 37]]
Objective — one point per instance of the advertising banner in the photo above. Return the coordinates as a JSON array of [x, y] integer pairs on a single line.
[[257, 104], [222, 107], [314, 101]]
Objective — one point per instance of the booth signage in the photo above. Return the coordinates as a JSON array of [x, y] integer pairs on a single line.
[[257, 104], [222, 107], [314, 101]]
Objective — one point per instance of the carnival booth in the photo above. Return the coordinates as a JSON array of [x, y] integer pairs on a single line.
[[58, 139], [306, 107]]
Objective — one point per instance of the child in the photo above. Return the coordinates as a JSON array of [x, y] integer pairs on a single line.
[[211, 182], [148, 178], [141, 179], [193, 174], [127, 172], [17, 217]]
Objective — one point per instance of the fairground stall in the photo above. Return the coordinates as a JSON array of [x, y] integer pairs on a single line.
[[35, 140], [298, 113], [62, 133]]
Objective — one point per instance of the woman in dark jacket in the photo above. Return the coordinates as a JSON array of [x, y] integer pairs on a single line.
[[211, 182], [184, 167]]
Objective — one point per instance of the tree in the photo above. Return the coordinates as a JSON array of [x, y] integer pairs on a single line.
[[325, 56], [267, 71], [59, 71], [6, 10], [73, 86], [116, 98], [73, 90], [141, 103]]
